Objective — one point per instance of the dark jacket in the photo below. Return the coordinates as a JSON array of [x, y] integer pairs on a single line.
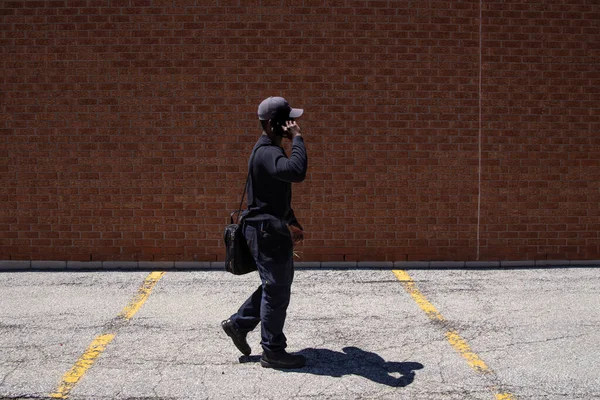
[[271, 177]]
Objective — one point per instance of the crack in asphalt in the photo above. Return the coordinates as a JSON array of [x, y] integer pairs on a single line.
[[5, 378], [518, 343]]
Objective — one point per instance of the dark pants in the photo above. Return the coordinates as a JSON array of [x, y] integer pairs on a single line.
[[272, 247]]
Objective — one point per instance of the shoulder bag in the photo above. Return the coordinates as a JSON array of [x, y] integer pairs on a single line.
[[238, 258]]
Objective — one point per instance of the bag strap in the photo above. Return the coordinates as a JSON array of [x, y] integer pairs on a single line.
[[245, 187]]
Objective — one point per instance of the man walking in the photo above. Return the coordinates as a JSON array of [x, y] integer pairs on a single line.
[[271, 230]]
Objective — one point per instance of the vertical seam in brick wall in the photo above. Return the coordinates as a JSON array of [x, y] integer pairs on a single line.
[[479, 168]]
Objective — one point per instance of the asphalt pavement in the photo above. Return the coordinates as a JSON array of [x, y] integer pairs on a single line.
[[367, 334]]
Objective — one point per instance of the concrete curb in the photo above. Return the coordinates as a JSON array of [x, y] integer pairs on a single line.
[[156, 265], [26, 265], [482, 264], [376, 264], [585, 263], [447, 264], [91, 265], [48, 264], [14, 265], [308, 264], [192, 265], [411, 264], [108, 265], [511, 264], [333, 264]]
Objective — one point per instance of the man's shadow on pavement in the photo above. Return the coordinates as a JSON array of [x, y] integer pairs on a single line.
[[354, 361]]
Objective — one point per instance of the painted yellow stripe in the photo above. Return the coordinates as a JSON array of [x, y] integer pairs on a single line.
[[411, 288], [73, 375], [504, 396], [140, 298], [98, 345], [456, 341], [462, 347]]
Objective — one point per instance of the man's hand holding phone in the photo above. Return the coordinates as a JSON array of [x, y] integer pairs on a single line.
[[291, 129]]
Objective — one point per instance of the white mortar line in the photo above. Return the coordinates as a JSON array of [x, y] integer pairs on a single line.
[[480, 125]]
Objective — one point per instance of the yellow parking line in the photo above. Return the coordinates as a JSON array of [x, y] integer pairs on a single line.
[[464, 350], [411, 288], [504, 396], [100, 343], [73, 375], [140, 298], [456, 341]]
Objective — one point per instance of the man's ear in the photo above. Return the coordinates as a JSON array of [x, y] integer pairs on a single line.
[[266, 126]]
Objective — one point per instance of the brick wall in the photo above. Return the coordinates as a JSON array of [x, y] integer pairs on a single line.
[[433, 134], [541, 130]]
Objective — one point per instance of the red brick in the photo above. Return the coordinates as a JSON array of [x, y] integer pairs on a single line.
[[140, 142]]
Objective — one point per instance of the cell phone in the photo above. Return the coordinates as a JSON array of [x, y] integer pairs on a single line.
[[278, 126]]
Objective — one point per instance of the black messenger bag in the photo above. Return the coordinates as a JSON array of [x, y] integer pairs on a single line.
[[238, 258]]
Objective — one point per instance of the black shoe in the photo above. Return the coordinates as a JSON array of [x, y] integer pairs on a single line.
[[239, 338], [282, 360]]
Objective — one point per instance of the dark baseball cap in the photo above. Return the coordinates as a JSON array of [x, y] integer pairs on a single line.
[[277, 107]]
